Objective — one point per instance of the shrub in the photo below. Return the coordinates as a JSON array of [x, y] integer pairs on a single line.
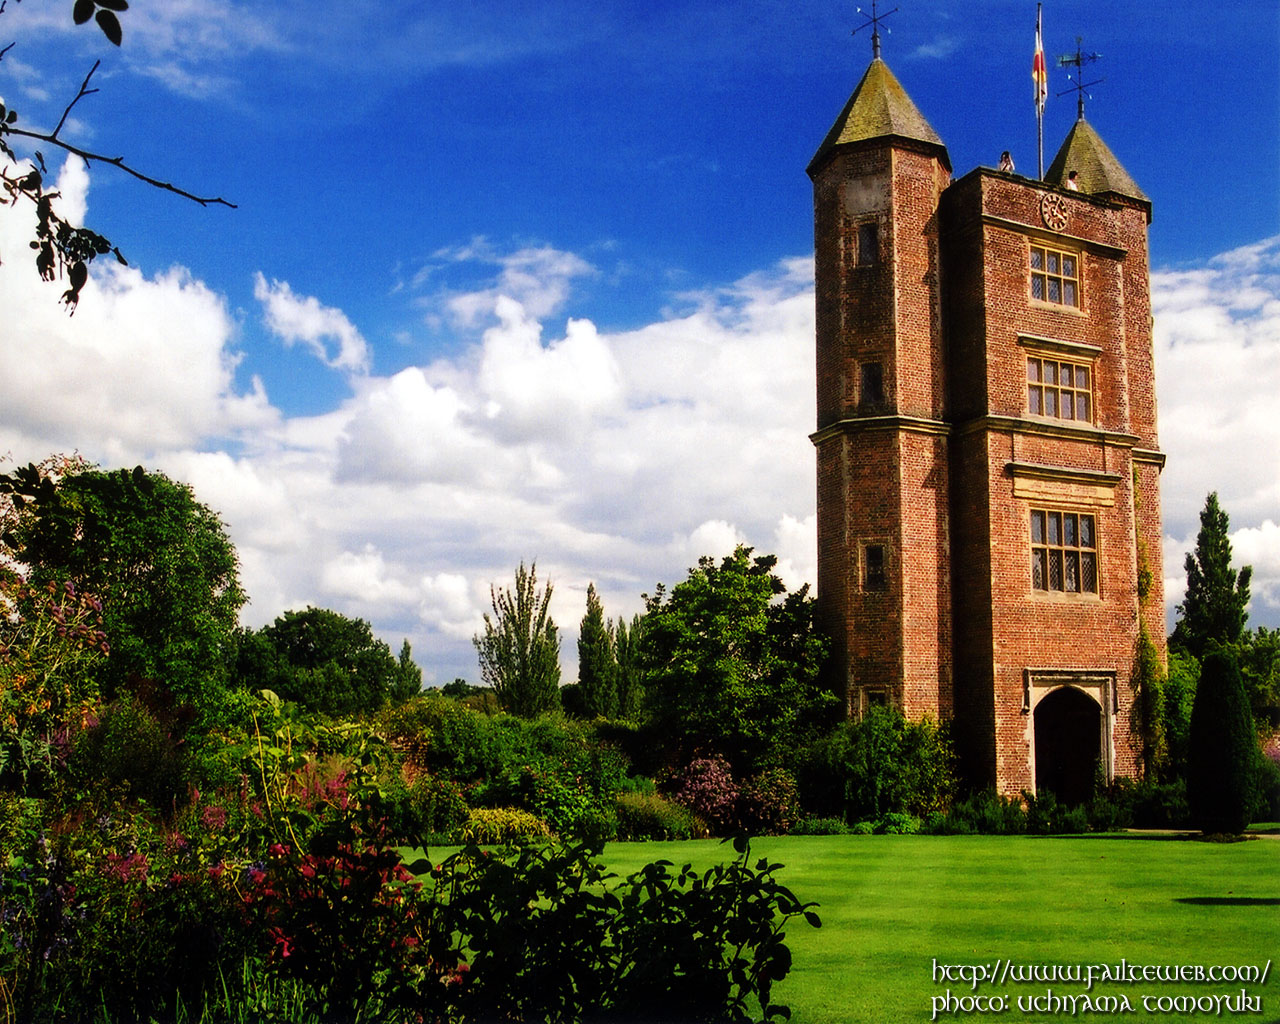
[[895, 824], [551, 768], [707, 788], [1222, 768], [349, 926], [985, 813], [594, 827], [878, 765], [1268, 791], [111, 919], [550, 939], [429, 806], [820, 827], [642, 816], [862, 828], [1148, 804], [1107, 813], [768, 803], [638, 784], [131, 753], [1043, 813], [491, 826]]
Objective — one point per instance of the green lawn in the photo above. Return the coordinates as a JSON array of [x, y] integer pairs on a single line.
[[891, 904]]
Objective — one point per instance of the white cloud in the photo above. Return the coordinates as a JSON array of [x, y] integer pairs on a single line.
[[538, 278], [146, 363], [1217, 336], [299, 318], [796, 544], [535, 390]]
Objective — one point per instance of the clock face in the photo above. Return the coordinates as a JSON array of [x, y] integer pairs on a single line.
[[1053, 211]]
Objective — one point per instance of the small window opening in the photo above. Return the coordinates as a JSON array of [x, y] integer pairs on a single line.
[[871, 389], [875, 571], [868, 244]]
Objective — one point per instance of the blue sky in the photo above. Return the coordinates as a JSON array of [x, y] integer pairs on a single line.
[[517, 280]]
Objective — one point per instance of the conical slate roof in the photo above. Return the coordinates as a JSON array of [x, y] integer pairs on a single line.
[[1097, 169], [878, 108]]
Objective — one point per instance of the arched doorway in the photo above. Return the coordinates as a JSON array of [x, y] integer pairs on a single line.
[[1068, 737]]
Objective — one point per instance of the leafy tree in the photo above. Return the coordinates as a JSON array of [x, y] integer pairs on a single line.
[[160, 562], [520, 647], [597, 666], [1217, 596], [324, 661], [409, 679], [626, 647], [1260, 668], [1222, 769], [731, 662]]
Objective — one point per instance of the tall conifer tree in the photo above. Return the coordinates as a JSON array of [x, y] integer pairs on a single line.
[[1214, 606], [626, 649], [597, 667]]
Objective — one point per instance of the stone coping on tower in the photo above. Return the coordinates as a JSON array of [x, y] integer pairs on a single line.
[[1047, 428], [858, 424]]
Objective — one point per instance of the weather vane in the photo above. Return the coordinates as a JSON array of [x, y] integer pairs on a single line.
[[1078, 60], [873, 19]]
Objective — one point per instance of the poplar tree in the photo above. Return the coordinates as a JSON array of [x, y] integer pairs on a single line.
[[409, 682], [626, 650], [520, 647], [597, 666], [1214, 606]]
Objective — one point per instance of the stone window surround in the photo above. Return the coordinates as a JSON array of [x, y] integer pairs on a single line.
[[1100, 684], [1046, 277], [1048, 546], [1078, 353], [865, 565]]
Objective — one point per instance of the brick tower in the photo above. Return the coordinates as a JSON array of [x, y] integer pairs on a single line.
[[988, 466]]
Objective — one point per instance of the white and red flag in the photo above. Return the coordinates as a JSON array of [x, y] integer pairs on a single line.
[[1039, 73]]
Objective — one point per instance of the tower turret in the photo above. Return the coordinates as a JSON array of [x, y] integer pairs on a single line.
[[877, 177]]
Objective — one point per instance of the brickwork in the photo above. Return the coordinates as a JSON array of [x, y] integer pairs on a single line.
[[941, 465]]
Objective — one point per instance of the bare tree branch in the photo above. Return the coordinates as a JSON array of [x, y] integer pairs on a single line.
[[84, 91], [62, 248], [118, 161], [53, 139]]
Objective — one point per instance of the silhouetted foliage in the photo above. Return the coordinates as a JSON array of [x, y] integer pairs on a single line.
[[1222, 769], [63, 249]]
